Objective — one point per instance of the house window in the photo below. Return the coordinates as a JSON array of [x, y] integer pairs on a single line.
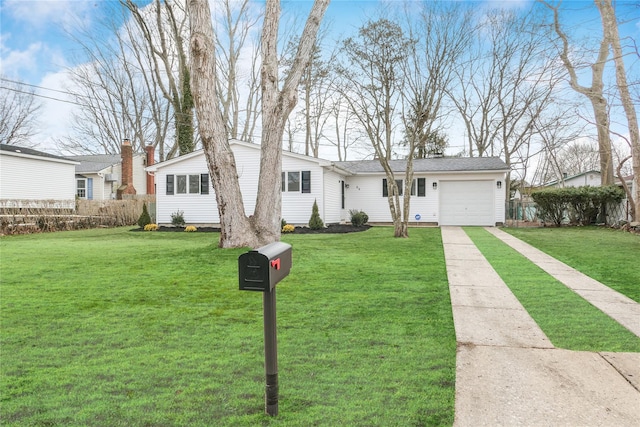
[[385, 192], [296, 181], [293, 181], [188, 184], [421, 184], [81, 188], [194, 184], [181, 184]]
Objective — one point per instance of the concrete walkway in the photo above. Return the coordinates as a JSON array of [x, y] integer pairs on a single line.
[[507, 371]]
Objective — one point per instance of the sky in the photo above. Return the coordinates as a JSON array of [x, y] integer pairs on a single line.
[[35, 47]]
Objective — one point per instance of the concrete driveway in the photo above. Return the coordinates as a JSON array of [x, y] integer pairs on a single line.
[[508, 373]]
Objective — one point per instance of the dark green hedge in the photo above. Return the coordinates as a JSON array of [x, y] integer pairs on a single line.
[[581, 205]]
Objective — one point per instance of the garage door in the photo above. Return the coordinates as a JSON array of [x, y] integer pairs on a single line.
[[467, 203]]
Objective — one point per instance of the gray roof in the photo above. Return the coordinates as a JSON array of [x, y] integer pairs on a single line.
[[436, 164], [95, 163], [31, 152]]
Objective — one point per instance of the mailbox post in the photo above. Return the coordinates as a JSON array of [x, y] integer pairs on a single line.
[[260, 270]]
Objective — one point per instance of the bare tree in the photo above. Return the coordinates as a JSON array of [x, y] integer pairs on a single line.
[[374, 70], [594, 93], [119, 99], [317, 94], [610, 28], [237, 82], [163, 26], [18, 113], [264, 225], [502, 97]]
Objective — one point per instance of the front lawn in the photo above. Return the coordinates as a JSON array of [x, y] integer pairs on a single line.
[[609, 256], [111, 327]]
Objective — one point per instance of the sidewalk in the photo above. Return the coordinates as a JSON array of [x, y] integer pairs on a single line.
[[509, 374]]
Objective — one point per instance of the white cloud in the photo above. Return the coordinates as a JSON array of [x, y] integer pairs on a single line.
[[42, 13], [16, 62]]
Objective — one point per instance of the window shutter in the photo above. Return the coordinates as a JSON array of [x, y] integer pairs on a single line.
[[421, 187], [204, 183], [169, 184], [284, 182], [306, 181], [89, 188], [385, 191]]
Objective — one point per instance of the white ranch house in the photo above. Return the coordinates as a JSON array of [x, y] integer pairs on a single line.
[[446, 191]]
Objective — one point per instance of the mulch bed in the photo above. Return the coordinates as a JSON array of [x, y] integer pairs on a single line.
[[330, 229]]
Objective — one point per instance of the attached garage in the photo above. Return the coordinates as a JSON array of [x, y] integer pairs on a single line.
[[445, 191], [467, 203]]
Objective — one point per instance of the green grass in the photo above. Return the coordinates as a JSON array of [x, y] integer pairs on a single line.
[[567, 319], [109, 327], [609, 256]]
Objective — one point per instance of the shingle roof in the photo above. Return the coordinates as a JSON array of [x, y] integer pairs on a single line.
[[30, 152], [438, 164], [95, 163]]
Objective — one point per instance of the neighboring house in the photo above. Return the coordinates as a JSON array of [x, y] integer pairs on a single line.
[[31, 175], [99, 176], [447, 191], [590, 178]]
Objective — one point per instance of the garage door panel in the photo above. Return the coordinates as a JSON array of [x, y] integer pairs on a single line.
[[467, 203]]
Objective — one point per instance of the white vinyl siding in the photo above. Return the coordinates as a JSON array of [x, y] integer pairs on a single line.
[[297, 205], [202, 208], [333, 212], [30, 178]]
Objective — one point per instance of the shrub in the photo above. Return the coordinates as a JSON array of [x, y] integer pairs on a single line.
[[552, 204], [144, 217], [151, 227], [283, 223], [190, 228], [177, 219], [315, 222], [288, 228], [358, 217], [581, 205]]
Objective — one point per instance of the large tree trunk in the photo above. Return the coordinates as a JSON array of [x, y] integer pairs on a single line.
[[276, 107], [610, 26], [264, 226], [235, 228]]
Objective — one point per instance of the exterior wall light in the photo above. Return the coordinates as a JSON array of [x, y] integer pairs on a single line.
[[435, 185], [499, 183]]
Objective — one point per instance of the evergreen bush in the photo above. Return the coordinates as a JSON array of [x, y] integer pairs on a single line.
[[144, 217], [315, 222]]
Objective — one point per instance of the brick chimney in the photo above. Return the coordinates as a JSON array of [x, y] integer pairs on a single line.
[[151, 179], [126, 154]]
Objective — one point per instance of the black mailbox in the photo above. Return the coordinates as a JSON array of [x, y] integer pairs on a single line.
[[261, 269]]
